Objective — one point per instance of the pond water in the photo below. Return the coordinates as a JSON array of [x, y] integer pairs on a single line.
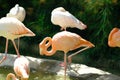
[[35, 75]]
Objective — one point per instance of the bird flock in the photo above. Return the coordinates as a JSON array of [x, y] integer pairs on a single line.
[[11, 28]]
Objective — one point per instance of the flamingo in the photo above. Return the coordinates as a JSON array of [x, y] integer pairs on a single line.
[[21, 69], [11, 28], [114, 38], [64, 19], [64, 41], [17, 12]]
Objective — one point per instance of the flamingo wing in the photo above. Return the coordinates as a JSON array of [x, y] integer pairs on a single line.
[[13, 26], [66, 41], [64, 19]]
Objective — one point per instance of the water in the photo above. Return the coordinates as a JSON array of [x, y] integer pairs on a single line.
[[35, 75]]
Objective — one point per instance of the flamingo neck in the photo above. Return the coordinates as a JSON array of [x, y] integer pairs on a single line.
[[11, 75], [45, 44]]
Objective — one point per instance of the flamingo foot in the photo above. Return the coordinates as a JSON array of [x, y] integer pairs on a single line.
[[4, 58], [62, 64], [18, 55]]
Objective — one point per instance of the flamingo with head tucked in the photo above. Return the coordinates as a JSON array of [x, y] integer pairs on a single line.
[[64, 19], [12, 28], [21, 69], [17, 12], [114, 38], [64, 41]]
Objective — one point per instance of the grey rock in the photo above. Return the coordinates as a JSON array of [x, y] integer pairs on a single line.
[[82, 72]]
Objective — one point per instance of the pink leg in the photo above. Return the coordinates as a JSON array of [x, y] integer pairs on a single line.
[[18, 43], [65, 65], [6, 48], [70, 56], [16, 48], [63, 28]]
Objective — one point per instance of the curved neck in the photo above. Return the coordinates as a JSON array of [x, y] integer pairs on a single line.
[[45, 44], [11, 75]]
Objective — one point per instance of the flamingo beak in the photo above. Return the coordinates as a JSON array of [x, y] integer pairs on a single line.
[[41, 51]]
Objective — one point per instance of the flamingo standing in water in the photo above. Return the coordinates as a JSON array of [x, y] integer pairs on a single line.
[[21, 68], [17, 12], [64, 41], [64, 19], [114, 38], [12, 28]]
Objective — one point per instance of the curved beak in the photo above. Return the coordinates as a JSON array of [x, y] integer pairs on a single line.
[[41, 50]]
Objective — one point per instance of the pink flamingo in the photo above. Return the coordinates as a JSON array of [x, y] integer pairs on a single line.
[[21, 68], [64, 41], [114, 38]]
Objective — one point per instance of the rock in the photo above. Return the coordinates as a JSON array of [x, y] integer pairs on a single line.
[[82, 72]]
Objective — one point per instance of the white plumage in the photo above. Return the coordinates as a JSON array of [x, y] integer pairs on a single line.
[[17, 12], [64, 19], [11, 28], [21, 67]]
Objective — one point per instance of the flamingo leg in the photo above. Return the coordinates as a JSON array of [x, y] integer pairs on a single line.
[[16, 48], [70, 56], [18, 43], [65, 65], [63, 28], [6, 48]]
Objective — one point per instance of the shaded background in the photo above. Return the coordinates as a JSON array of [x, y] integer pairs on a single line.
[[99, 15]]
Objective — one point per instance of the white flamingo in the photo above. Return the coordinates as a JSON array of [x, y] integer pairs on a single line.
[[11, 28], [17, 12], [64, 19]]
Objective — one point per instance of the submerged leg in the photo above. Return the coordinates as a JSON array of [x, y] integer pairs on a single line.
[[16, 48], [70, 56], [6, 48]]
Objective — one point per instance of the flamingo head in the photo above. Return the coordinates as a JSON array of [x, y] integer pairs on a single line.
[[59, 9], [43, 46], [81, 26]]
